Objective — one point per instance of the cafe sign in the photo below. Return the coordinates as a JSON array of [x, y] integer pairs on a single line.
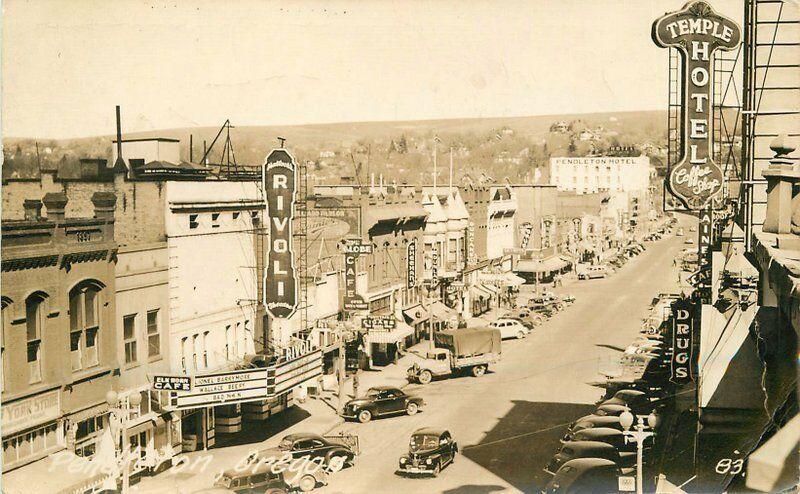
[[379, 323], [352, 250], [279, 183], [696, 31]]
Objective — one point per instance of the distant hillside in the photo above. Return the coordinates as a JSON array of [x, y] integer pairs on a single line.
[[503, 146]]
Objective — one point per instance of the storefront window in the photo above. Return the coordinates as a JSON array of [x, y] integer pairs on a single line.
[[29, 444]]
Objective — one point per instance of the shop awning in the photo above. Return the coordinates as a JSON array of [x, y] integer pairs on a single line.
[[548, 265], [441, 311], [416, 314], [486, 291], [773, 466], [502, 279], [401, 331], [63, 472]]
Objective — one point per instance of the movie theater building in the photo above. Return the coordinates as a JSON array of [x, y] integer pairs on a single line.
[[59, 351]]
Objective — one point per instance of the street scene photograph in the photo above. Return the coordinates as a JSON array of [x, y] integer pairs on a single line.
[[390, 247]]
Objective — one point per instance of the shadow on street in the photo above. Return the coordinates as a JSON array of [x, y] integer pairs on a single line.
[[522, 442]]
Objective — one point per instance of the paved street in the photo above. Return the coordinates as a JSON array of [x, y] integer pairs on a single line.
[[508, 422]]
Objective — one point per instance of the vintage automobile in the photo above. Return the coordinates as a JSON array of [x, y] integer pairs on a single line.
[[429, 451], [589, 449], [266, 477], [611, 409], [591, 421], [583, 475], [332, 452], [540, 305], [510, 328], [638, 401], [380, 401], [526, 317], [590, 272], [608, 435]]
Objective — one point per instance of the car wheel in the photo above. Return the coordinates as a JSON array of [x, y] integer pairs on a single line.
[[521, 335], [307, 483], [538, 320], [412, 408], [436, 469], [425, 377], [336, 462], [478, 370], [364, 416]]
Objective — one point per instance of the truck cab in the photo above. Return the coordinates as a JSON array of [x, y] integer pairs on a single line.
[[435, 363]]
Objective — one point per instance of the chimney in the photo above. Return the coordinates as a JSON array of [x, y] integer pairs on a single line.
[[33, 209], [56, 203], [104, 204]]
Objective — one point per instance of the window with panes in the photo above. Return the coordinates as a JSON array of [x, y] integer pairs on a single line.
[[84, 322], [153, 336], [34, 321], [129, 338]]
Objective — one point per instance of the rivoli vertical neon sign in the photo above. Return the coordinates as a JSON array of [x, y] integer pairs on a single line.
[[697, 31], [279, 183]]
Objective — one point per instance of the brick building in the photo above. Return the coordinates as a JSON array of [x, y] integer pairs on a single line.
[[59, 331]]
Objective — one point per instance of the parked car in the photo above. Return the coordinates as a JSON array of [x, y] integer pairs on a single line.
[[261, 477], [590, 272], [638, 401], [510, 328], [429, 451], [583, 475], [608, 435], [526, 317], [592, 421], [380, 401], [541, 306], [312, 446], [588, 449], [611, 409]]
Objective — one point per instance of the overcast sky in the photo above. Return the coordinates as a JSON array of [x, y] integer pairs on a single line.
[[187, 63]]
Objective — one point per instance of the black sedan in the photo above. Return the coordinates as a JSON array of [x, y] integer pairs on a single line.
[[333, 454], [380, 401], [429, 451]]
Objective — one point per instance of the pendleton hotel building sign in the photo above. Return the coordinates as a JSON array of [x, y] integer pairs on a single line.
[[279, 185], [697, 31]]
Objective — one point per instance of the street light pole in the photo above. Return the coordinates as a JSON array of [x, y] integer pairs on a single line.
[[639, 435], [121, 412]]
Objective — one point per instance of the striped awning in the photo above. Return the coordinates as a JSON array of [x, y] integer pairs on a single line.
[[398, 333]]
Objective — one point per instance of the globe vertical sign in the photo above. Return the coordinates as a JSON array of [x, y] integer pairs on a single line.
[[279, 183], [697, 31]]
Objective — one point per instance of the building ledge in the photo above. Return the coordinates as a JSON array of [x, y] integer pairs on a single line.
[[781, 265]]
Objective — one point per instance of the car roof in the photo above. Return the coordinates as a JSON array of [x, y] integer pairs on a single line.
[[583, 446], [581, 464], [297, 436], [430, 431], [598, 418], [600, 432], [385, 388]]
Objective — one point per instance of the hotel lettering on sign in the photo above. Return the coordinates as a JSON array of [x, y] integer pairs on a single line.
[[696, 31], [279, 183], [682, 364]]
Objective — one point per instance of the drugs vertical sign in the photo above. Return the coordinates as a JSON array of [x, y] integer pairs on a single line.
[[279, 183]]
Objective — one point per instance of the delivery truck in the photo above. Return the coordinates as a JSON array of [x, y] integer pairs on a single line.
[[458, 351]]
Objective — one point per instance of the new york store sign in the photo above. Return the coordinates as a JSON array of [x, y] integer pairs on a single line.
[[280, 284], [697, 31]]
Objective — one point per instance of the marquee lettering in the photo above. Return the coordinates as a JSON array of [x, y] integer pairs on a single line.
[[280, 283]]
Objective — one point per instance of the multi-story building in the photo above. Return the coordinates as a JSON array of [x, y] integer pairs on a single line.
[[59, 333], [590, 175]]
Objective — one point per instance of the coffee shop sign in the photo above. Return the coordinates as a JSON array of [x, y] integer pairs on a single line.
[[696, 31]]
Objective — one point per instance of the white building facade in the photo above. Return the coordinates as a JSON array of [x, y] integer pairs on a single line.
[[590, 175]]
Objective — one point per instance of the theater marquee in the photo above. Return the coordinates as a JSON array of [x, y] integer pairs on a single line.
[[280, 284], [696, 31]]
